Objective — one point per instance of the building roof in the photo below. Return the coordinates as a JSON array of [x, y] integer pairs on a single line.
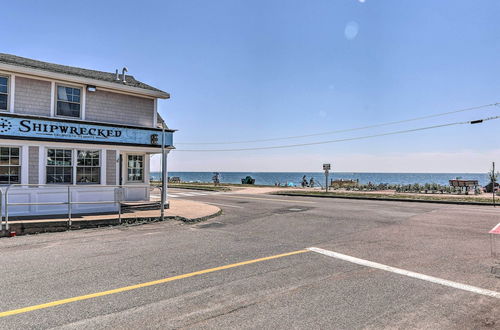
[[108, 77]]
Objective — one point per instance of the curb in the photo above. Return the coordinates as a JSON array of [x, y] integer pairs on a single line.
[[200, 189], [200, 219], [388, 199], [60, 226]]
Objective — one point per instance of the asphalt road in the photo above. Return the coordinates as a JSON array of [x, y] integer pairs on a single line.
[[303, 290]]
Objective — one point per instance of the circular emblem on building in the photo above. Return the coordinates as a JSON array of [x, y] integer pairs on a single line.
[[5, 125]]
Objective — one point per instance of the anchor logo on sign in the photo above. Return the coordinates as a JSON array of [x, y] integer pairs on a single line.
[[5, 125]]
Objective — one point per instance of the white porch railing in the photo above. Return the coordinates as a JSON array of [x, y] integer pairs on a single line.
[[119, 191]]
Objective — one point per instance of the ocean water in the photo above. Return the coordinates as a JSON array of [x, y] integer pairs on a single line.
[[270, 178]]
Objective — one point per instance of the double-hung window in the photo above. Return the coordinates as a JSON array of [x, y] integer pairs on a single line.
[[135, 168], [10, 166], [59, 166], [4, 92], [88, 168], [68, 101]]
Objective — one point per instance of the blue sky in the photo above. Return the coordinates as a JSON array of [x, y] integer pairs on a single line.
[[243, 70]]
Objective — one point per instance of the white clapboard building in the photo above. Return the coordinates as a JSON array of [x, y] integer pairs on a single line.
[[73, 133]]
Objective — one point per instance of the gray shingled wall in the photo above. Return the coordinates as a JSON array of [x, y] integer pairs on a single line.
[[32, 97], [33, 157], [111, 167], [102, 106]]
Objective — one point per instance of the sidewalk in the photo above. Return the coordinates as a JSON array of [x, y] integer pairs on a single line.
[[183, 210]]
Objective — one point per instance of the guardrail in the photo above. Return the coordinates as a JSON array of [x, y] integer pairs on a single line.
[[118, 194]]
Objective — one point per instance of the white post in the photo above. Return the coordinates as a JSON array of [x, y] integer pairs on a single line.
[[42, 154], [24, 164], [52, 99], [12, 92], [103, 156]]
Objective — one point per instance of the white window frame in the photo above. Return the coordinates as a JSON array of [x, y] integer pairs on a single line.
[[72, 165], [74, 162], [100, 167], [20, 165], [82, 99], [125, 168], [9, 78]]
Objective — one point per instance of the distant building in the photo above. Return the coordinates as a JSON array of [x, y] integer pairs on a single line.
[[489, 187], [466, 185], [62, 125]]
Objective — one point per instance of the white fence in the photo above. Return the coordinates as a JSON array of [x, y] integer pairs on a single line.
[[48, 199]]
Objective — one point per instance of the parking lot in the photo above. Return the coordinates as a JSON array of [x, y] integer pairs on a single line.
[[266, 262]]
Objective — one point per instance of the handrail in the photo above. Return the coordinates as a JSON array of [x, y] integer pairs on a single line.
[[69, 202]]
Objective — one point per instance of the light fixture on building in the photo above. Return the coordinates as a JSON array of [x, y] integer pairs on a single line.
[[91, 88]]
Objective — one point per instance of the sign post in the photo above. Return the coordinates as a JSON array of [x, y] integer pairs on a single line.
[[164, 177], [326, 168]]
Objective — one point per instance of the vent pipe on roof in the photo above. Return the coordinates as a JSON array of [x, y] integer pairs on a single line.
[[117, 76], [123, 74]]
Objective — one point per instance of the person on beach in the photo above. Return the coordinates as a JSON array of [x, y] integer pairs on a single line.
[[216, 178], [311, 182], [304, 181]]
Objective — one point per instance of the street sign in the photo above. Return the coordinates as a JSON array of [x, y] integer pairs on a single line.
[[326, 167]]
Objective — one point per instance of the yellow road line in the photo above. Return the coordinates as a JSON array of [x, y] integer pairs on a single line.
[[142, 285], [271, 199]]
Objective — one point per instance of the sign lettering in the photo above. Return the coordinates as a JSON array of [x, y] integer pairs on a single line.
[[25, 128]]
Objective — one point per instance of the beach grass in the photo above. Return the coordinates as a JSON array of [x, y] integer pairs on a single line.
[[486, 200], [195, 186], [209, 186]]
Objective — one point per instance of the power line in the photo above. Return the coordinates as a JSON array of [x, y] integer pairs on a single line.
[[348, 129], [347, 139]]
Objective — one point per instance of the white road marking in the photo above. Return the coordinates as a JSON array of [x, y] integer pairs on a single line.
[[408, 273], [189, 194], [240, 207]]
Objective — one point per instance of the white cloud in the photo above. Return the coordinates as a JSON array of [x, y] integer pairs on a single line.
[[351, 30]]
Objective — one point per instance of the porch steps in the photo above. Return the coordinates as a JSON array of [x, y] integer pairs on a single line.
[[142, 206]]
